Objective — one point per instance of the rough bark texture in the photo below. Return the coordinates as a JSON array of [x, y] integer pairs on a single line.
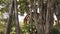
[[33, 15], [16, 18], [9, 24], [40, 20], [13, 8], [49, 16], [31, 7]]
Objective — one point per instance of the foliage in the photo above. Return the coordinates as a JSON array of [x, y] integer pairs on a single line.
[[2, 28], [24, 29], [55, 31], [23, 6]]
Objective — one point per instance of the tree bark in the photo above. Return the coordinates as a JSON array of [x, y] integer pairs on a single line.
[[16, 18], [49, 16], [31, 21], [40, 21], [9, 24]]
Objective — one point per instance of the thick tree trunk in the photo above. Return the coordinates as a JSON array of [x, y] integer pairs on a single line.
[[9, 24], [16, 18], [49, 16], [33, 15], [40, 22], [31, 7], [44, 15], [47, 31]]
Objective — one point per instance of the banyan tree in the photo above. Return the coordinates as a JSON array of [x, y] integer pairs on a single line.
[[39, 15]]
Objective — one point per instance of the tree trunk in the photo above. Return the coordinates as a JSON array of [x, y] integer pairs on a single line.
[[40, 21], [49, 16], [16, 18], [9, 24], [31, 21]]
